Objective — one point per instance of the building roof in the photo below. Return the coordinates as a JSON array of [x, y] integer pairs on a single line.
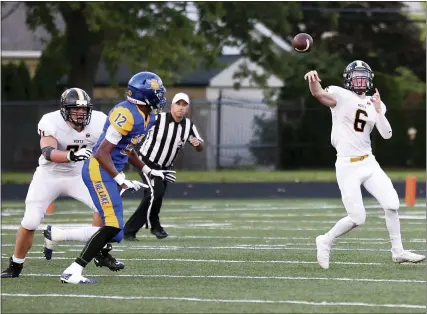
[[18, 37], [199, 77]]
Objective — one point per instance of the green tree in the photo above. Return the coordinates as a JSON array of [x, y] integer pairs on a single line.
[[146, 35], [152, 35], [16, 82]]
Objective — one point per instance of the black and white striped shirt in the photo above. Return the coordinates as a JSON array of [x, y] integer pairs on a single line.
[[165, 140]]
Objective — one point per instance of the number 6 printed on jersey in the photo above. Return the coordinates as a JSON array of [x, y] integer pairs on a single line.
[[359, 124]]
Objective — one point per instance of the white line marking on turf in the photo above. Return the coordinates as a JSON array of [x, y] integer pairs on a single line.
[[186, 260], [193, 299], [244, 277], [357, 240], [417, 240], [207, 247], [231, 207]]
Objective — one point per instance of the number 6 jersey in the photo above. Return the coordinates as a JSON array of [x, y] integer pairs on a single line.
[[52, 124], [353, 119]]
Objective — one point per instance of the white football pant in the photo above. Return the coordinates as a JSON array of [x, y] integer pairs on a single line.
[[45, 188], [351, 175]]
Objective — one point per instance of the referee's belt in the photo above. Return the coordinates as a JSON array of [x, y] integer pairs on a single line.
[[356, 159], [151, 164]]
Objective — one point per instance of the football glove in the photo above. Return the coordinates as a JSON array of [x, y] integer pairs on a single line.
[[80, 155], [132, 185], [166, 175]]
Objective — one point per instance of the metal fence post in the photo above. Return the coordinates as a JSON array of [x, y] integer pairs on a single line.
[[218, 129]]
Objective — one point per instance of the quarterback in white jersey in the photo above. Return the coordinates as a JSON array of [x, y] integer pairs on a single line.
[[354, 115], [67, 137]]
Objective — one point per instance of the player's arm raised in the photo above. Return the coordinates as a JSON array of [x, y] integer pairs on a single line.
[[317, 90], [382, 124]]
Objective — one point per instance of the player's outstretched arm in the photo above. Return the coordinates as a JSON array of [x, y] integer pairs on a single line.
[[317, 91]]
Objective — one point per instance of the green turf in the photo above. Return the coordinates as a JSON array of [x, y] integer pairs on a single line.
[[245, 176], [227, 257]]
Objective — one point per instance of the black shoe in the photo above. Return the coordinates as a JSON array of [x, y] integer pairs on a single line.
[[13, 270], [130, 237], [160, 233], [104, 258]]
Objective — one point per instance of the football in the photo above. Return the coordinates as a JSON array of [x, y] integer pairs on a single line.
[[302, 42]]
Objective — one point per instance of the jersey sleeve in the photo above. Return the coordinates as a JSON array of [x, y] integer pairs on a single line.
[[195, 133], [336, 91], [121, 119], [46, 127]]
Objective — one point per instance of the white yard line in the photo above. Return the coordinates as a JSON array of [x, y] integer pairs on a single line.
[[219, 227], [356, 240], [193, 299], [230, 208], [243, 277], [188, 260], [208, 247]]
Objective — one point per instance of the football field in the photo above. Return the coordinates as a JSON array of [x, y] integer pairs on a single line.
[[226, 256]]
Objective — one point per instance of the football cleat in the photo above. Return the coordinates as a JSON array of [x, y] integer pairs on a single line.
[[323, 251], [160, 233], [76, 279], [130, 237], [13, 270], [49, 245], [104, 258], [407, 257]]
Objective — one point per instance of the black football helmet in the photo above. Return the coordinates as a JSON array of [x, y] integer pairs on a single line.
[[76, 98], [358, 77]]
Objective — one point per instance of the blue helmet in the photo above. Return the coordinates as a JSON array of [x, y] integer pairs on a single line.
[[146, 88]]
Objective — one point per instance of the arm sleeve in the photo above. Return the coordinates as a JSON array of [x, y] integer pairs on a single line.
[[121, 119], [46, 127], [382, 124], [112, 135]]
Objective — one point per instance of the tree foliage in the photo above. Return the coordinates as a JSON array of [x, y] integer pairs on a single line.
[[16, 82]]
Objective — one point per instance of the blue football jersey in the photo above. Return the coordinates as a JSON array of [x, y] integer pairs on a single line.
[[132, 124]]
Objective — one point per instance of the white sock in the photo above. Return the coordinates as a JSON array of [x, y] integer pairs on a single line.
[[80, 234], [74, 268], [18, 260], [393, 226], [343, 226]]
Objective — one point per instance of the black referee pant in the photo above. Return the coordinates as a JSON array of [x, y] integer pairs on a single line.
[[149, 208]]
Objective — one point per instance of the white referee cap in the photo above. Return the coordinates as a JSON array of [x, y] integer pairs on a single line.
[[181, 96]]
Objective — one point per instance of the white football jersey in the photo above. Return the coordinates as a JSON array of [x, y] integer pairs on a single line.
[[53, 124], [353, 119]]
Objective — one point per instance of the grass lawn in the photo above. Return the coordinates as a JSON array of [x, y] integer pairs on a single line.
[[244, 176], [226, 257]]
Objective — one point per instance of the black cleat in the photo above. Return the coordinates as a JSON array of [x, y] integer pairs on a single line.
[[13, 270], [104, 258], [159, 232], [130, 237]]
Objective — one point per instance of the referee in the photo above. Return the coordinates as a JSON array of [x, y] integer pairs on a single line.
[[163, 143]]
